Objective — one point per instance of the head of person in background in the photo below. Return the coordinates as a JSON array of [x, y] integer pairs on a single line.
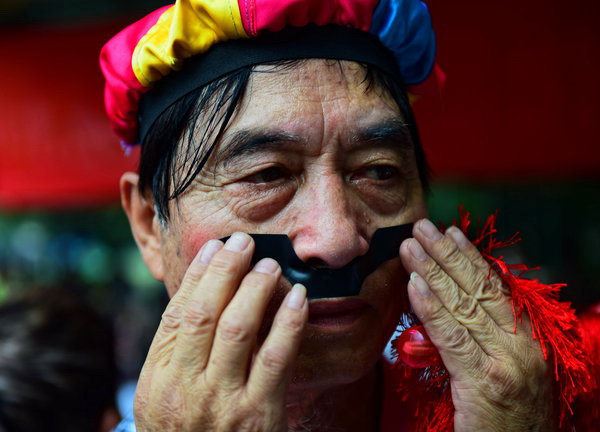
[[57, 365]]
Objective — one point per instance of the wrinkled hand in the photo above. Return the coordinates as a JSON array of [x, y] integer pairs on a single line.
[[200, 374], [499, 378]]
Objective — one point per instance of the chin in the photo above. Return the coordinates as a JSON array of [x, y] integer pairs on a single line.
[[308, 375], [329, 359]]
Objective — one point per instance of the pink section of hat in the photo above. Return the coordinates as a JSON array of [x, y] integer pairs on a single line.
[[123, 91], [274, 15]]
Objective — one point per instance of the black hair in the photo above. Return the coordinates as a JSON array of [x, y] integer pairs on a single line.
[[171, 158], [57, 366]]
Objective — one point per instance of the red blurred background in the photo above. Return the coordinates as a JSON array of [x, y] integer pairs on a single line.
[[523, 94], [521, 102]]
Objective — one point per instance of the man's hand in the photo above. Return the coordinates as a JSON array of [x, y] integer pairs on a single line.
[[200, 374], [499, 378]]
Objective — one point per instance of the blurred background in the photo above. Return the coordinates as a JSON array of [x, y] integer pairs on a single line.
[[516, 130]]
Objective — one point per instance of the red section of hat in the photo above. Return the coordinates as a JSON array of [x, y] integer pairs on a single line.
[[274, 15]]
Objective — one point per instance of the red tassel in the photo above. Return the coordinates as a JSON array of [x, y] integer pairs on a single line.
[[553, 324], [587, 406]]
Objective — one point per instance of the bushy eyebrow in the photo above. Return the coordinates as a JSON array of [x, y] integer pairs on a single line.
[[251, 140], [389, 132]]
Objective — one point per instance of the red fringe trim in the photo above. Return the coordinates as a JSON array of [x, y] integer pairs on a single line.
[[587, 405], [553, 324]]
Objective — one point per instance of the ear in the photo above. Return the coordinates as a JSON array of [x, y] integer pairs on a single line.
[[144, 223]]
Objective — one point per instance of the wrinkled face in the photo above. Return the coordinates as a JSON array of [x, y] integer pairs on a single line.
[[313, 153]]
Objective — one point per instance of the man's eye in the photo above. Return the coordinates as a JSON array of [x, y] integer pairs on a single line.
[[380, 172], [267, 175]]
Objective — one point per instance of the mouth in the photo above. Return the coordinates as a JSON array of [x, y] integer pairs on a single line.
[[335, 313]]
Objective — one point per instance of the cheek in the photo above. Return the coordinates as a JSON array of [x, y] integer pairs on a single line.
[[179, 252], [192, 239]]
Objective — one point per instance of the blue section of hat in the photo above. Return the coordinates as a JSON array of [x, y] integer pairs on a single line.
[[404, 27]]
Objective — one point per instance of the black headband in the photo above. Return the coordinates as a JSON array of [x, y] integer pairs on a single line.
[[327, 42]]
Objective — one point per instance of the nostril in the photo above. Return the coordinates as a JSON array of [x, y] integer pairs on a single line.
[[316, 263]]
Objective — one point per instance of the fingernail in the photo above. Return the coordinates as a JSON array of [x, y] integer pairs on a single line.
[[417, 250], [297, 297], [429, 230], [237, 242], [459, 238], [266, 265], [209, 250], [420, 285]]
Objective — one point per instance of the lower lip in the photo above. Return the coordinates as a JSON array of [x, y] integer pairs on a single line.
[[335, 319]]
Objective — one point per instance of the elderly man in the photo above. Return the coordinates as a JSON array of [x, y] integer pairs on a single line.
[[290, 120]]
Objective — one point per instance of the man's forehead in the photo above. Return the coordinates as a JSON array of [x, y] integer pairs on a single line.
[[307, 77], [334, 102], [300, 96], [307, 70]]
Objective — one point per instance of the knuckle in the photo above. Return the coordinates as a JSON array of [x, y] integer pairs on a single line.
[[503, 384], [193, 275], [273, 359], [486, 287], [448, 251], [458, 337], [248, 416], [437, 314], [197, 317], [515, 378], [534, 363], [499, 287], [233, 331], [467, 307], [499, 297], [259, 283], [255, 405], [292, 323], [475, 364], [224, 264], [171, 317], [435, 275]]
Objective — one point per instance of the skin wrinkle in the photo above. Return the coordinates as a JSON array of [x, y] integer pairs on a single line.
[[331, 120]]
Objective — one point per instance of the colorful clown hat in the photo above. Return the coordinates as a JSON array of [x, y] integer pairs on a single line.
[[138, 59]]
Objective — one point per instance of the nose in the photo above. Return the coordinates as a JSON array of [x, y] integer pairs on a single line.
[[329, 231]]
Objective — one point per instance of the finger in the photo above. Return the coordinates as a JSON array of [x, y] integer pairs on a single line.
[[462, 306], [235, 337], [462, 356], [167, 330], [272, 368], [195, 271], [483, 284], [473, 254], [205, 303]]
